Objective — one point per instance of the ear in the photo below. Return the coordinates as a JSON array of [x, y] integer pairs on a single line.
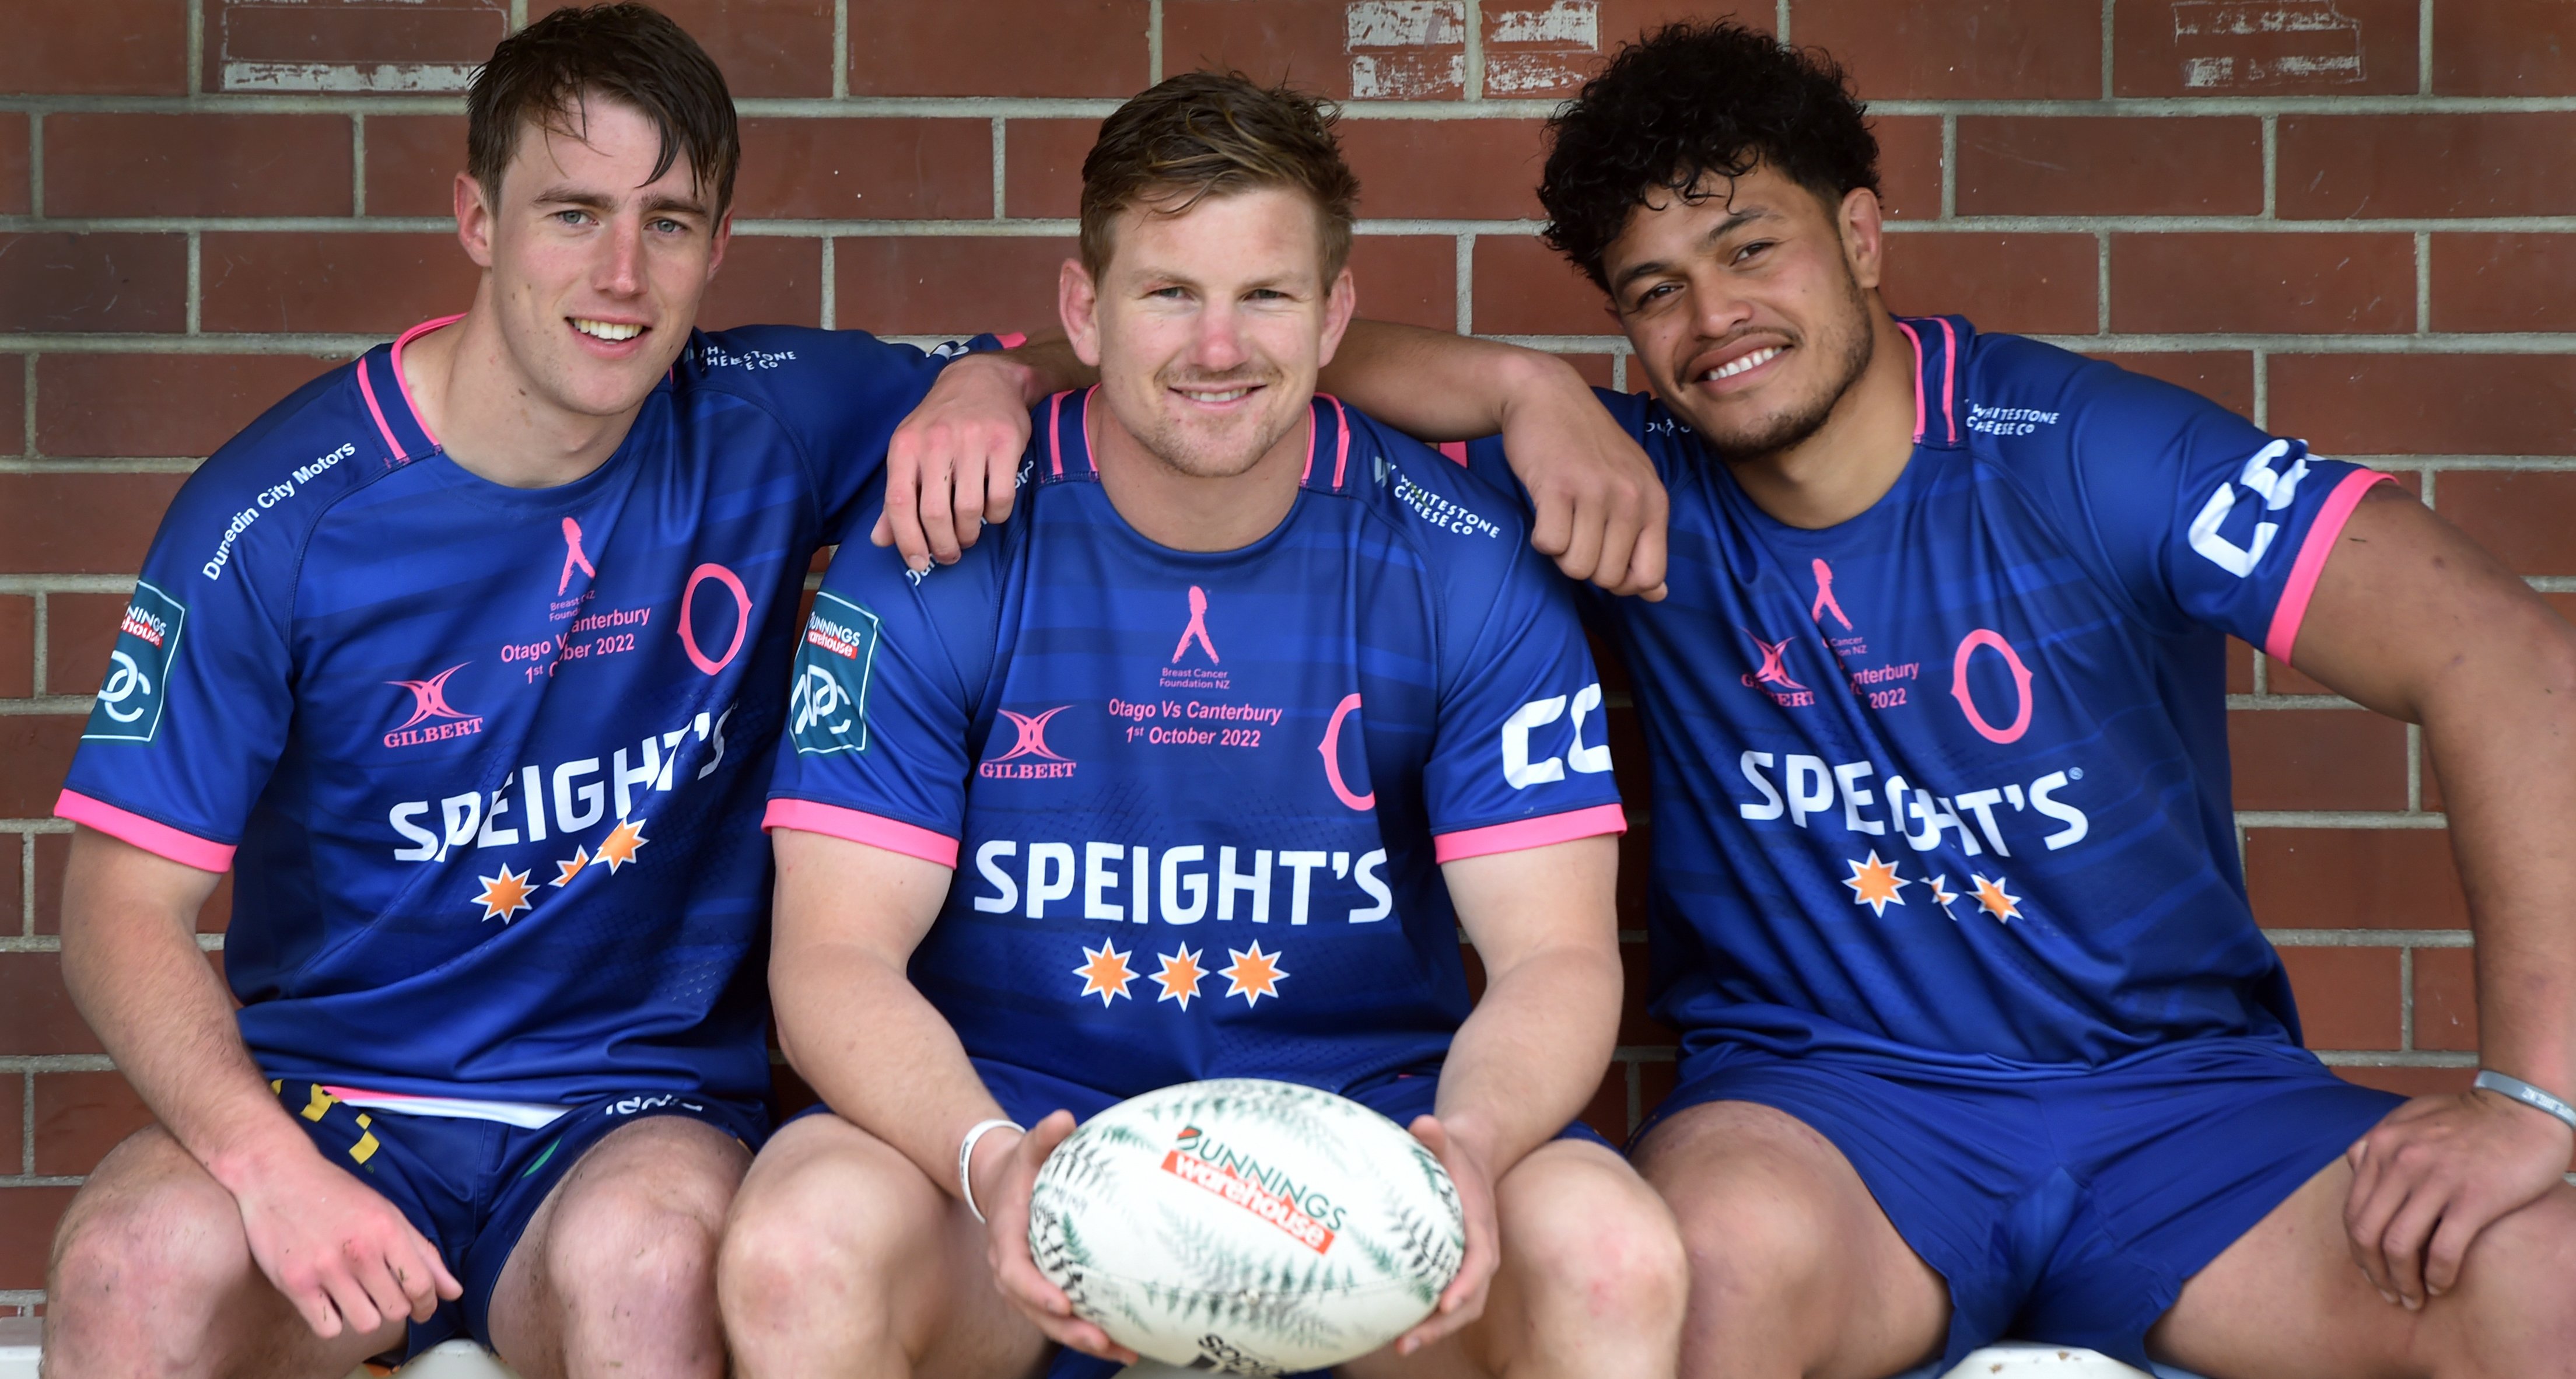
[[473, 220], [1341, 302], [716, 248], [1077, 304], [1861, 226]]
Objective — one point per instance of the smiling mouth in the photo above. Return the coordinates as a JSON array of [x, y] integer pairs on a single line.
[[1213, 397], [611, 331], [1746, 364]]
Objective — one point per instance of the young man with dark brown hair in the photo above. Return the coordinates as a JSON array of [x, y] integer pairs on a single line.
[[1980, 1037], [1287, 701], [466, 659]]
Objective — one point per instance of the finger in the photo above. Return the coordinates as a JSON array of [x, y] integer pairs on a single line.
[[357, 1311], [902, 518], [2461, 1222], [2408, 1232], [967, 514], [1001, 483], [938, 511], [1552, 526], [1656, 594], [374, 1275], [1582, 554], [2366, 1215], [1646, 561], [881, 534], [312, 1302], [424, 1275], [1619, 535]]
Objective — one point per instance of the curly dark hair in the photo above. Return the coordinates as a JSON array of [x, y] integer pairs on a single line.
[[1689, 100]]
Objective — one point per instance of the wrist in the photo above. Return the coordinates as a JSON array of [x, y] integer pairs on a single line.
[[241, 1161], [2515, 1092], [983, 1145], [1529, 376]]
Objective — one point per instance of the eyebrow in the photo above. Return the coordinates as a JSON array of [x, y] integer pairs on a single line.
[[1725, 227], [592, 201]]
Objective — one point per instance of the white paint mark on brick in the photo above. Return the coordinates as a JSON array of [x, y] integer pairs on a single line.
[[1395, 47], [371, 46], [1575, 22], [2227, 45], [1537, 48]]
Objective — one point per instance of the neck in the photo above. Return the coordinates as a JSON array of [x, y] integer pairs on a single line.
[[1853, 459], [490, 418], [1184, 511]]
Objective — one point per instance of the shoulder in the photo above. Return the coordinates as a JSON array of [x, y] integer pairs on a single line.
[[793, 366], [262, 493], [1443, 510], [2028, 403]]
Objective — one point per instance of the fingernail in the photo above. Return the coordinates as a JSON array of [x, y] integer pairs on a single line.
[[2392, 1297]]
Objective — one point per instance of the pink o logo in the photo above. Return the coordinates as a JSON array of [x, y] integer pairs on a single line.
[[741, 622], [1331, 749], [1985, 636]]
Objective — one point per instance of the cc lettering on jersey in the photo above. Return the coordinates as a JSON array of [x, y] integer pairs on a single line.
[[1521, 770]]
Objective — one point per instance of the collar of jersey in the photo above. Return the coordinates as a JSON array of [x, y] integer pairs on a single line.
[[1063, 449], [1940, 367], [398, 421]]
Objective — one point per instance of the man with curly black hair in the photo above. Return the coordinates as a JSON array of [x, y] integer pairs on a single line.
[[1979, 1034]]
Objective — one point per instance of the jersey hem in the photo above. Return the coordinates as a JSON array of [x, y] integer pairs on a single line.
[[1522, 834], [159, 839], [875, 830], [2293, 607]]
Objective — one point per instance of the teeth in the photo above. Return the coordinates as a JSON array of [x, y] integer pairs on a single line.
[[607, 330], [1754, 360], [1228, 395]]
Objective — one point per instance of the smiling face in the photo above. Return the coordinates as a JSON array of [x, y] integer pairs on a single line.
[[597, 267], [1749, 309], [1208, 326]]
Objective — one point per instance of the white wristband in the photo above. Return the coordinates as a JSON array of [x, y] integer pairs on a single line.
[[2528, 1095], [966, 1158]]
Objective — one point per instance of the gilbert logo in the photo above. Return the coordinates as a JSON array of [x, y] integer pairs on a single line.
[[1772, 676], [432, 718], [1029, 758]]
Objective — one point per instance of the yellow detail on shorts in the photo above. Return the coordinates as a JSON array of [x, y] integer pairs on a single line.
[[366, 1146], [322, 1101], [276, 1085]]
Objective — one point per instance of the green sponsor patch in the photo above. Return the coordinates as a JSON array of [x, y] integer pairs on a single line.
[[827, 711], [138, 670]]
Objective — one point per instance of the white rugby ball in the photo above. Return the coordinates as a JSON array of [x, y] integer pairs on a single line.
[[1246, 1226]]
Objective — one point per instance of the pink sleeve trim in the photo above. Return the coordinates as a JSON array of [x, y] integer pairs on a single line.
[[1454, 451], [1013, 340], [1523, 834], [875, 831], [186, 849], [2293, 607]]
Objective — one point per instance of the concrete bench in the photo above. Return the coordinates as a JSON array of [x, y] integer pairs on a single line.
[[20, 1338]]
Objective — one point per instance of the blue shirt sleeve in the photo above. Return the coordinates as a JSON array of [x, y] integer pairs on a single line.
[[2201, 516], [1520, 757], [840, 393], [880, 713], [193, 711]]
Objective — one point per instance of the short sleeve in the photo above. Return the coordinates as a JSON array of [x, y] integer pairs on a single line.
[[840, 393], [879, 713], [193, 709], [1521, 755], [2203, 514]]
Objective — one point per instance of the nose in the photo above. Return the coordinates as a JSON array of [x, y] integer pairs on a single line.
[[621, 266], [1216, 345], [1719, 309]]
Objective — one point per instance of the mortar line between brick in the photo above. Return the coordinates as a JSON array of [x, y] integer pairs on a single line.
[[358, 165], [2107, 92], [1780, 19], [196, 261], [2406, 1000], [36, 166], [2414, 767], [27, 885], [2359, 1058], [37, 661], [518, 15], [36, 825], [840, 49], [998, 166], [196, 47], [2424, 47], [831, 285], [2102, 282], [1465, 286], [1619, 372], [2262, 388], [2271, 165], [27, 423], [2423, 282], [1154, 40], [27, 1122], [1475, 60], [1949, 166]]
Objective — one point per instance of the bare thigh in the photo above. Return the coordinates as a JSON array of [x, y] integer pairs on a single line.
[[151, 1272], [841, 1252], [1794, 1268], [2286, 1301]]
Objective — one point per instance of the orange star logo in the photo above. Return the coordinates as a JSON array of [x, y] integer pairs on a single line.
[[619, 847], [1253, 974], [504, 895], [1942, 895], [571, 867], [1104, 973], [1995, 900], [1180, 977], [1875, 883]]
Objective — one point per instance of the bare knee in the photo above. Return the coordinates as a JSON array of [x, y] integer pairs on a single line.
[[1758, 1221], [625, 1249], [144, 1260], [818, 1235], [1598, 1245]]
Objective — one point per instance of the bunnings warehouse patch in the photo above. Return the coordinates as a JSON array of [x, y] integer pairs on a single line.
[[138, 670], [827, 711]]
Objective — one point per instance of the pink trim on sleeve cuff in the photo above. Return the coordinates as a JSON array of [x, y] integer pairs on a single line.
[[2293, 607], [186, 849], [878, 832], [1012, 340], [1523, 834]]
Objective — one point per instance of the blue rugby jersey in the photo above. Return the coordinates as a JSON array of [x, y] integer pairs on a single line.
[[1197, 801], [489, 762], [1949, 780]]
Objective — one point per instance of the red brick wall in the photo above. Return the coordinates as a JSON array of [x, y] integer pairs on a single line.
[[2352, 220]]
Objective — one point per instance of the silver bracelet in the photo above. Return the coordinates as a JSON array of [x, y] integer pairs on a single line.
[[2524, 1092], [966, 1158]]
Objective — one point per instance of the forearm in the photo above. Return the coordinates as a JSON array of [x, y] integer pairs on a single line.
[[139, 979], [1437, 386], [1531, 1055]]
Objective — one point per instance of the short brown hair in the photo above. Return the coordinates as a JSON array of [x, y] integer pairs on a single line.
[[1205, 134], [623, 52]]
